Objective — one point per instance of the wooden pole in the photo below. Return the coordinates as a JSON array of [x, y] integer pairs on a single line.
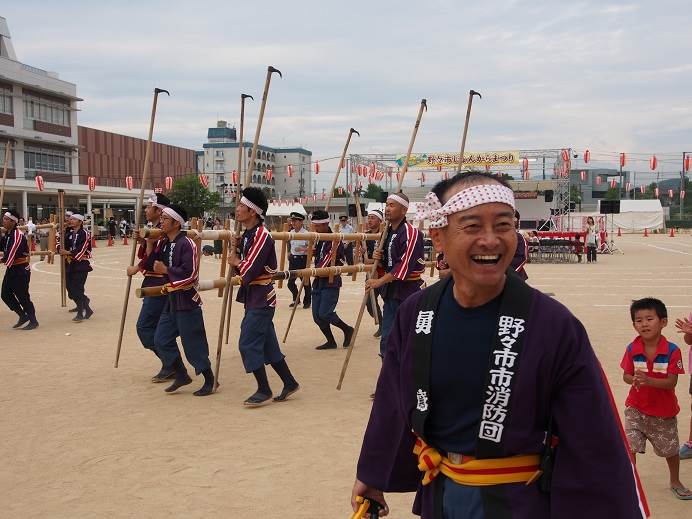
[[209, 235], [373, 271], [224, 253], [282, 261], [51, 238], [138, 210], [466, 129], [61, 230], [8, 155], [248, 178]]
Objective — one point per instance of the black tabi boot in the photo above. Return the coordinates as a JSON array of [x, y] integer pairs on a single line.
[[33, 323], [88, 312], [23, 319], [290, 383], [263, 394], [348, 331], [208, 387], [80, 313], [327, 332], [181, 376], [163, 374], [73, 310]]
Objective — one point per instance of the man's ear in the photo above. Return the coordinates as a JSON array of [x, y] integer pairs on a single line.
[[437, 239]]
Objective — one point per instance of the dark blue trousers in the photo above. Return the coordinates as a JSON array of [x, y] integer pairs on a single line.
[[461, 502], [189, 326], [258, 344], [324, 302], [148, 319], [388, 313]]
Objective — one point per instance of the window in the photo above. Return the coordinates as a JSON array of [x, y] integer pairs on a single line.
[[218, 153], [46, 110], [2, 156], [5, 100], [42, 159]]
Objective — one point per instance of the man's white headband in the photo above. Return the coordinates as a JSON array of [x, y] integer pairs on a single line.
[[325, 220], [11, 217], [68, 213], [375, 212], [153, 200], [436, 213], [77, 217], [170, 212], [398, 199], [252, 206]]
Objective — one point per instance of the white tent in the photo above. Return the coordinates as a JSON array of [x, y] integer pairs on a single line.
[[634, 217], [285, 209]]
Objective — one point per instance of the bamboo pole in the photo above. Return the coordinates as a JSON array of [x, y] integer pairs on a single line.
[[138, 210], [282, 261], [209, 235], [5, 167], [61, 229], [373, 271], [248, 177], [224, 254], [466, 129]]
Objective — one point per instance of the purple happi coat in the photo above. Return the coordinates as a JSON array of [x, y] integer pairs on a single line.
[[323, 258], [146, 263], [258, 263], [79, 245], [558, 376], [181, 258], [403, 258]]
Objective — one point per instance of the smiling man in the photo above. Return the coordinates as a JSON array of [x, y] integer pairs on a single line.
[[479, 370]]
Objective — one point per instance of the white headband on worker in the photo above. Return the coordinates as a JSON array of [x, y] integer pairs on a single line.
[[170, 212], [77, 217], [252, 206], [153, 200], [325, 220], [68, 213], [11, 217], [375, 212], [436, 213], [398, 199]]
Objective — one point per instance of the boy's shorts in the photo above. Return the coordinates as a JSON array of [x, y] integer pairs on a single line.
[[661, 432]]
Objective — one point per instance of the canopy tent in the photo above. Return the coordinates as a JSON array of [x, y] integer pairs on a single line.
[[634, 217], [285, 209]]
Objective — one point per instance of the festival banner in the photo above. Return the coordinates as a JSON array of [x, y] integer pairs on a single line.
[[471, 159]]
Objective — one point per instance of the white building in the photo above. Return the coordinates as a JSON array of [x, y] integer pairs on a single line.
[[219, 158]]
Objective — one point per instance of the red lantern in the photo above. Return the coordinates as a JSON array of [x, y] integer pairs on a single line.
[[445, 175], [682, 195], [623, 160], [642, 188], [324, 195], [317, 168], [583, 175], [91, 182], [688, 162], [39, 182], [657, 192], [613, 184], [598, 180], [628, 186], [653, 162], [350, 188], [289, 170], [587, 156], [234, 177], [525, 168], [204, 180], [129, 183], [565, 155], [670, 193], [168, 183], [269, 175], [158, 190], [341, 190], [314, 197]]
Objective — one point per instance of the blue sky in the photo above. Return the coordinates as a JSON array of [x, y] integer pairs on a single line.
[[608, 76]]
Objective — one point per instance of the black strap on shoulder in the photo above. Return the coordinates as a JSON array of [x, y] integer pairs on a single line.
[[503, 366], [422, 350]]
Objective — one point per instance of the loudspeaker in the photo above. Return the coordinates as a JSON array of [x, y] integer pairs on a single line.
[[549, 195], [352, 211], [383, 197], [610, 206]]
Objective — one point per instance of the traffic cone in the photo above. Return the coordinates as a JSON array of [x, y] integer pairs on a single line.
[[110, 240], [619, 233], [33, 245], [93, 242], [672, 232], [646, 232], [125, 239]]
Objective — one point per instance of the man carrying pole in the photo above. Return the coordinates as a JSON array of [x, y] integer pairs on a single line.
[[14, 253], [297, 259], [258, 344], [373, 223], [325, 293], [152, 307], [176, 258], [77, 267]]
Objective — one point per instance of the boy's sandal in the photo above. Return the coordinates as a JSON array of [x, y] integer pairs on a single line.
[[681, 493]]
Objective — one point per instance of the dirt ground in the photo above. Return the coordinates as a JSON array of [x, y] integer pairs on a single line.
[[81, 439]]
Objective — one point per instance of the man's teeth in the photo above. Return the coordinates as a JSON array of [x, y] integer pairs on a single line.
[[486, 258]]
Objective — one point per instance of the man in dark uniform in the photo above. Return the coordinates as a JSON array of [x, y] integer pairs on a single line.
[[152, 307], [14, 253], [522, 252], [346, 228], [112, 228], [177, 259], [373, 223], [402, 260], [258, 344], [77, 267], [325, 295], [297, 259]]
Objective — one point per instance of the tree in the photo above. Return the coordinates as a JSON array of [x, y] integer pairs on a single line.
[[374, 191], [193, 196], [575, 194], [612, 194]]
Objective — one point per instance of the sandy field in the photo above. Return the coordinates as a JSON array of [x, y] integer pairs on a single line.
[[81, 439]]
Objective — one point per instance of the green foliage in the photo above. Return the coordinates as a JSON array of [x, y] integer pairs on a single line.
[[195, 198], [373, 191], [612, 194], [575, 194]]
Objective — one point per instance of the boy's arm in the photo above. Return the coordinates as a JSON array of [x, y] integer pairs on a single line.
[[659, 383]]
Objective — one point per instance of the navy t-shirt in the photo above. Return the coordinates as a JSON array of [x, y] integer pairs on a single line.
[[460, 354]]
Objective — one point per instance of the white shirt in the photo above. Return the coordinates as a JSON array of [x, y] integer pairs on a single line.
[[346, 228], [299, 244]]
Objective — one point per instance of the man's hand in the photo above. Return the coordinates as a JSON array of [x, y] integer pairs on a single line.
[[160, 268], [234, 243], [377, 255], [683, 326], [361, 489], [131, 271], [233, 260], [372, 284], [135, 236]]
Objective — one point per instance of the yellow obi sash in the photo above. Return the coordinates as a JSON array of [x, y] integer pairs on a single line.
[[265, 279], [167, 288], [477, 472]]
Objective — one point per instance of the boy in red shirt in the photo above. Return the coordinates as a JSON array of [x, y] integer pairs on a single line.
[[651, 365], [684, 326]]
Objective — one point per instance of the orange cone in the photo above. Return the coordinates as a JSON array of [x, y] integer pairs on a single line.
[[672, 232], [110, 240], [646, 232], [33, 245], [93, 242], [125, 239], [619, 233]]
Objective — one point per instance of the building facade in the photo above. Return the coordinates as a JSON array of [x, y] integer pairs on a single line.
[[219, 158], [596, 184]]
